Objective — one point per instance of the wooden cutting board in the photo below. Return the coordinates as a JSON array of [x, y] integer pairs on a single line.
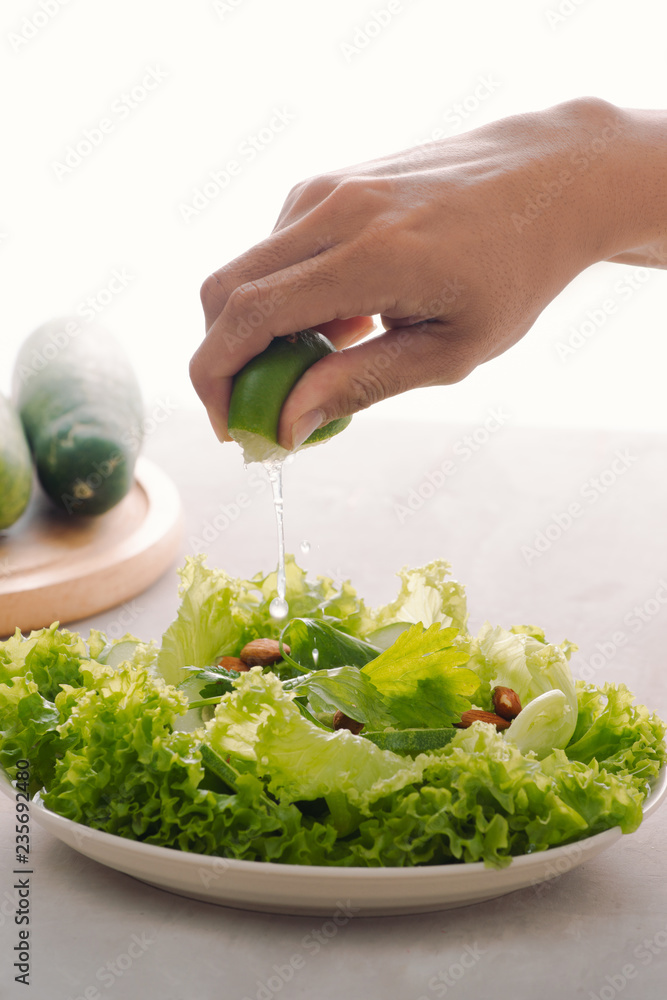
[[54, 567]]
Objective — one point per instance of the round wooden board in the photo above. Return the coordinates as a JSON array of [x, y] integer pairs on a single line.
[[55, 567]]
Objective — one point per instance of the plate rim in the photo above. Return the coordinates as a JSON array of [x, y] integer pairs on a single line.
[[461, 868]]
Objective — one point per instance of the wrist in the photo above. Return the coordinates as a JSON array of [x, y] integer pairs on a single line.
[[628, 186]]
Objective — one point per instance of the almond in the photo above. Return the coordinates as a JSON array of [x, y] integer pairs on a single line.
[[343, 721], [477, 715], [262, 652], [506, 702], [233, 663]]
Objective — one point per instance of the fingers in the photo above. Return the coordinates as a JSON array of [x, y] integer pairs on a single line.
[[350, 380], [306, 228], [279, 251], [311, 293], [342, 332]]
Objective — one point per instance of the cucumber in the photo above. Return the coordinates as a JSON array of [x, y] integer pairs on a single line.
[[15, 466], [410, 742], [81, 408], [387, 635]]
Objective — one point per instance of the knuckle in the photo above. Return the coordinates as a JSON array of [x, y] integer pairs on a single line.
[[298, 191], [348, 190], [310, 191], [374, 193], [212, 295], [243, 299], [460, 359], [370, 387], [196, 371]]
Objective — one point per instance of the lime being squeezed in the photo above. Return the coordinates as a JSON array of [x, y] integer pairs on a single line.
[[259, 391]]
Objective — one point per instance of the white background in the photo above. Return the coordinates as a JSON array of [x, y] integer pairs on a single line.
[[226, 67]]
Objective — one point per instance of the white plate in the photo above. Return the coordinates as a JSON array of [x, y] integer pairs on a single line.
[[318, 890]]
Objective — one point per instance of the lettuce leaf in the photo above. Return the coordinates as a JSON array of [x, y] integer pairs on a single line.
[[546, 722], [260, 722], [130, 774], [105, 745], [210, 622], [620, 736], [51, 655], [421, 678], [32, 672], [219, 614], [313, 641], [416, 683], [482, 800], [346, 689], [426, 596], [320, 598], [28, 731], [520, 659]]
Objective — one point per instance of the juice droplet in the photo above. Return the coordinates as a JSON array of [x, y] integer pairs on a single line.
[[316, 656], [278, 607], [305, 547]]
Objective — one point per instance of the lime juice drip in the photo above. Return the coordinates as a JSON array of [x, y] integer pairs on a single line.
[[278, 607]]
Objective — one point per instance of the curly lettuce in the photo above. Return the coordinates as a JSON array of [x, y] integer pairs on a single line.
[[264, 780]]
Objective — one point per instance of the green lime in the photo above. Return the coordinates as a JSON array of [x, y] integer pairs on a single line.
[[262, 386]]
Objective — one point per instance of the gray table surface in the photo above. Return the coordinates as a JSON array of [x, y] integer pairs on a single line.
[[601, 580]]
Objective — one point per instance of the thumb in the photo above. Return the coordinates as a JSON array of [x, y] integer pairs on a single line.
[[355, 378]]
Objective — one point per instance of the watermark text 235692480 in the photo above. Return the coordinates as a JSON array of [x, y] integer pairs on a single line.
[[21, 949]]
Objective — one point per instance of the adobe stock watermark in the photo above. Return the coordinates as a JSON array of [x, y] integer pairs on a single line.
[[635, 621], [256, 317], [389, 346], [458, 115], [89, 309], [462, 451], [115, 968], [367, 31], [549, 191], [591, 491], [210, 873], [582, 333], [85, 487], [128, 614], [311, 943], [562, 11], [570, 857], [247, 151], [35, 22], [224, 7], [228, 513], [644, 952], [446, 979], [121, 109]]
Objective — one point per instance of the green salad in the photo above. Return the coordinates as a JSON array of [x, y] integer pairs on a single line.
[[166, 745]]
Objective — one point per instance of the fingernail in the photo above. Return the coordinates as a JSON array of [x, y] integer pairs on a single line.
[[305, 426]]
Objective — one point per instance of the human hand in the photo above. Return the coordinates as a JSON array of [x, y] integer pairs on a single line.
[[457, 245]]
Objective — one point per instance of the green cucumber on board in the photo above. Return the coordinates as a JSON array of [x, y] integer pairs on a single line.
[[15, 466], [81, 408]]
